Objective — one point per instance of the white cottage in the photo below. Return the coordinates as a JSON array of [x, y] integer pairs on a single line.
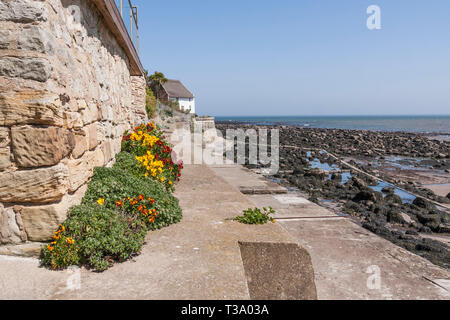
[[174, 90]]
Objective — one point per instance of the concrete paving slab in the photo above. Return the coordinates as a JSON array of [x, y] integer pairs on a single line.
[[252, 184], [347, 259], [291, 206]]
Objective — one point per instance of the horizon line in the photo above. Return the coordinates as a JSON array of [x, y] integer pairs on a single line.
[[339, 115]]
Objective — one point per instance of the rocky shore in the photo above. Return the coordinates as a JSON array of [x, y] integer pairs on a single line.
[[379, 185]]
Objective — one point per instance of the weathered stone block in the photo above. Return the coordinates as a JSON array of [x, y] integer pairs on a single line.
[[38, 147], [23, 11], [37, 69], [81, 170], [5, 39], [30, 107], [81, 144], [34, 186], [34, 38], [92, 136], [11, 226], [40, 222], [4, 137], [107, 113], [5, 158], [107, 151], [90, 114]]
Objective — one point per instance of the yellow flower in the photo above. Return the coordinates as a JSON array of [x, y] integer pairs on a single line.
[[101, 201], [163, 179], [170, 182]]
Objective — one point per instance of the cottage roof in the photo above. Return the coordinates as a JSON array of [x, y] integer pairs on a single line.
[[175, 89]]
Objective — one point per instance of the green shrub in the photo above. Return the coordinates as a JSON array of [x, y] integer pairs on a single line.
[[101, 236], [120, 206], [117, 184], [256, 216]]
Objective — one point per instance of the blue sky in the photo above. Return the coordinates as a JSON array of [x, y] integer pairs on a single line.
[[302, 57]]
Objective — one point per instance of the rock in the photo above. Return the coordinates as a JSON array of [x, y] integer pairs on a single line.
[[359, 183], [448, 196], [30, 68], [388, 190], [399, 217], [422, 203], [92, 136], [27, 250], [38, 147], [34, 186], [11, 227], [393, 198], [365, 196], [5, 39], [317, 173], [40, 222], [5, 158], [80, 170], [431, 221], [33, 38], [444, 228], [81, 144], [31, 107], [336, 176], [107, 151], [23, 11], [4, 137]]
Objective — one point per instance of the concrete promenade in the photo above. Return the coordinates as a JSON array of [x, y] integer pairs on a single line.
[[200, 258]]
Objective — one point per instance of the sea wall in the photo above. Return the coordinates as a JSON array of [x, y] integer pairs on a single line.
[[66, 97]]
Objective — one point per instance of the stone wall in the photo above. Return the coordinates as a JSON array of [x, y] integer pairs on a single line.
[[66, 97]]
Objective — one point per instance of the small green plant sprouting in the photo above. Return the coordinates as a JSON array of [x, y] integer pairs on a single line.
[[256, 216]]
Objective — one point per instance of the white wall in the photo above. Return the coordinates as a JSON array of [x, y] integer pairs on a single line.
[[186, 104]]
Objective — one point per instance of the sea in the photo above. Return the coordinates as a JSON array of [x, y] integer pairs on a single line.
[[417, 124]]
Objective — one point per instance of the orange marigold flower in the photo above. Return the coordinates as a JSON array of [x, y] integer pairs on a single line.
[[119, 203], [50, 248], [141, 197]]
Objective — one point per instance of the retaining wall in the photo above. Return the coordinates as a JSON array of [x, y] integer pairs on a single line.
[[67, 94]]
